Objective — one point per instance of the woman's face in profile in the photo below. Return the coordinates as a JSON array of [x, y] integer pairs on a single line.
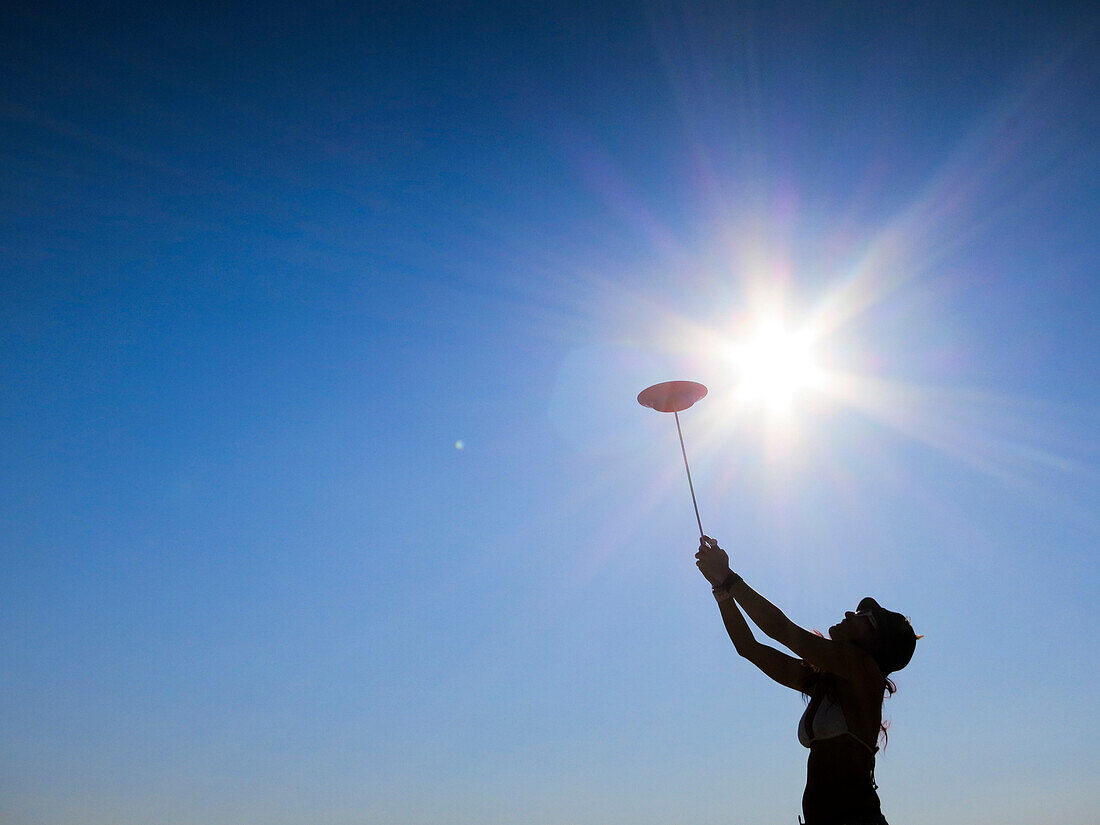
[[857, 628]]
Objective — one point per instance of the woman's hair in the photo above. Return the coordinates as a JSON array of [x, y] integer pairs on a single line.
[[889, 689], [895, 639]]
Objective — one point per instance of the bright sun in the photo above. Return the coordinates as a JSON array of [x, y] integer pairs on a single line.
[[775, 365]]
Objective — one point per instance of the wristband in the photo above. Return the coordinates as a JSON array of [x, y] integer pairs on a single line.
[[728, 582]]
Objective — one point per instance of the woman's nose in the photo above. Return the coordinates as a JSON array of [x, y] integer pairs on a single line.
[[848, 614]]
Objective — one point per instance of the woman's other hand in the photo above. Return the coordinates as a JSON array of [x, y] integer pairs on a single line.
[[712, 561]]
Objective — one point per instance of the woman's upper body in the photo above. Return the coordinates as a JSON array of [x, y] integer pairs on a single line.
[[844, 675], [840, 769]]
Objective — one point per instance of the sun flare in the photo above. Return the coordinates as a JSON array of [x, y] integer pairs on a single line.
[[775, 365]]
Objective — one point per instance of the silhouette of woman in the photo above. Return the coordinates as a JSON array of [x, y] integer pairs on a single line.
[[845, 676]]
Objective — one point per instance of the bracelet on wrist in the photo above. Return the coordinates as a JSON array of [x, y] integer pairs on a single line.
[[728, 582]]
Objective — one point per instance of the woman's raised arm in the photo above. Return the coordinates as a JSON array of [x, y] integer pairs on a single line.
[[787, 670], [824, 654]]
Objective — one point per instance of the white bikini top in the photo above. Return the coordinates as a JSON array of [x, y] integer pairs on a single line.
[[827, 722]]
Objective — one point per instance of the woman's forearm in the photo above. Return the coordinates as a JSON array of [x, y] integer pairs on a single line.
[[784, 669], [763, 613], [738, 629], [713, 563]]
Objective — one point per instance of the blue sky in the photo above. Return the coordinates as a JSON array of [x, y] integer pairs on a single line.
[[326, 497]]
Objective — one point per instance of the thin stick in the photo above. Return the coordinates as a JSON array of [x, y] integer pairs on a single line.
[[691, 486]]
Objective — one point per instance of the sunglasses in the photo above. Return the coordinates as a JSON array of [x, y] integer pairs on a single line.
[[870, 617]]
